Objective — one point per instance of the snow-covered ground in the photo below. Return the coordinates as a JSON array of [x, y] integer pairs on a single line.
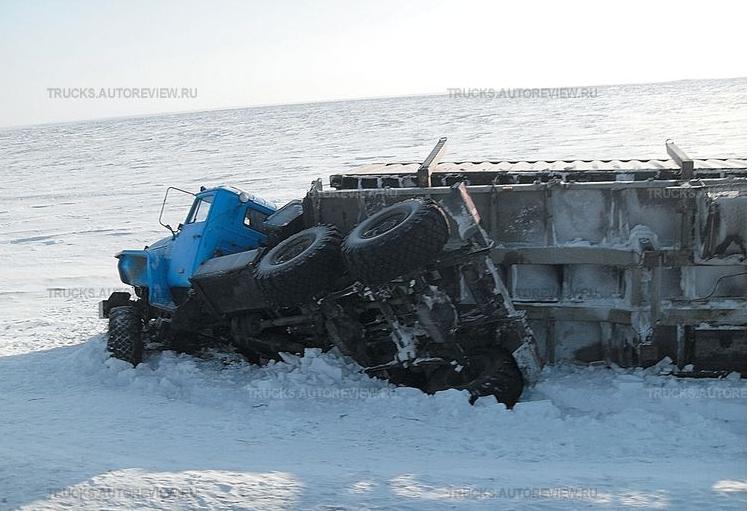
[[81, 431]]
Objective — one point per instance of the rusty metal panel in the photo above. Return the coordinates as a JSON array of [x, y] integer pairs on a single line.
[[622, 261]]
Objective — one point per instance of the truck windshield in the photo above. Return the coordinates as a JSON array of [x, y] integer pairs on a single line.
[[200, 210]]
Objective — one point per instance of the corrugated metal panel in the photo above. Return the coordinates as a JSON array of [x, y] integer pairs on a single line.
[[553, 166]]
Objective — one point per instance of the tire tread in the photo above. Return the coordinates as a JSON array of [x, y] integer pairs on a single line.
[[413, 244], [124, 339]]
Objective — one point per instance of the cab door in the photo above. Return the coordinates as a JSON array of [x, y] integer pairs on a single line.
[[187, 243], [253, 221], [242, 231]]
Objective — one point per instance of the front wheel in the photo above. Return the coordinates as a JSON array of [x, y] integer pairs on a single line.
[[124, 337]]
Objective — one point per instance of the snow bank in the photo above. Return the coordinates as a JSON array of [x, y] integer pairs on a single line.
[[81, 430]]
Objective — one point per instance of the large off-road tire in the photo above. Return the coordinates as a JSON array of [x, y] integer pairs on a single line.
[[395, 241], [124, 338], [500, 376], [302, 266]]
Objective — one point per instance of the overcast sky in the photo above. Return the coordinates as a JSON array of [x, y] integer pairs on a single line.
[[237, 54]]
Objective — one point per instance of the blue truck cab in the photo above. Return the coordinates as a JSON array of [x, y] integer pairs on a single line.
[[221, 221]]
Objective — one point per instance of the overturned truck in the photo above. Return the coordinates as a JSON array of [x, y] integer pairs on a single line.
[[459, 275], [624, 261]]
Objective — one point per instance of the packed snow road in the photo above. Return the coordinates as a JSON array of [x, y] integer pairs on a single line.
[[78, 430]]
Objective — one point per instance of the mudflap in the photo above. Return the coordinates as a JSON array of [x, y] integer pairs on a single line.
[[116, 299], [528, 360]]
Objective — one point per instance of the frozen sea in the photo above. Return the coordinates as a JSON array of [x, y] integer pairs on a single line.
[[80, 431]]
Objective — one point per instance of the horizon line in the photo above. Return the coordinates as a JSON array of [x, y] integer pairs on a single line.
[[334, 100]]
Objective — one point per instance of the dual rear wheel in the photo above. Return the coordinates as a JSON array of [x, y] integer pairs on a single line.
[[396, 240]]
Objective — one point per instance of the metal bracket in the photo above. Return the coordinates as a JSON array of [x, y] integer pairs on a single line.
[[459, 205], [429, 164], [686, 163]]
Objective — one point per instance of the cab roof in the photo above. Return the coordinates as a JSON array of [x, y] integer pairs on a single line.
[[259, 201]]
